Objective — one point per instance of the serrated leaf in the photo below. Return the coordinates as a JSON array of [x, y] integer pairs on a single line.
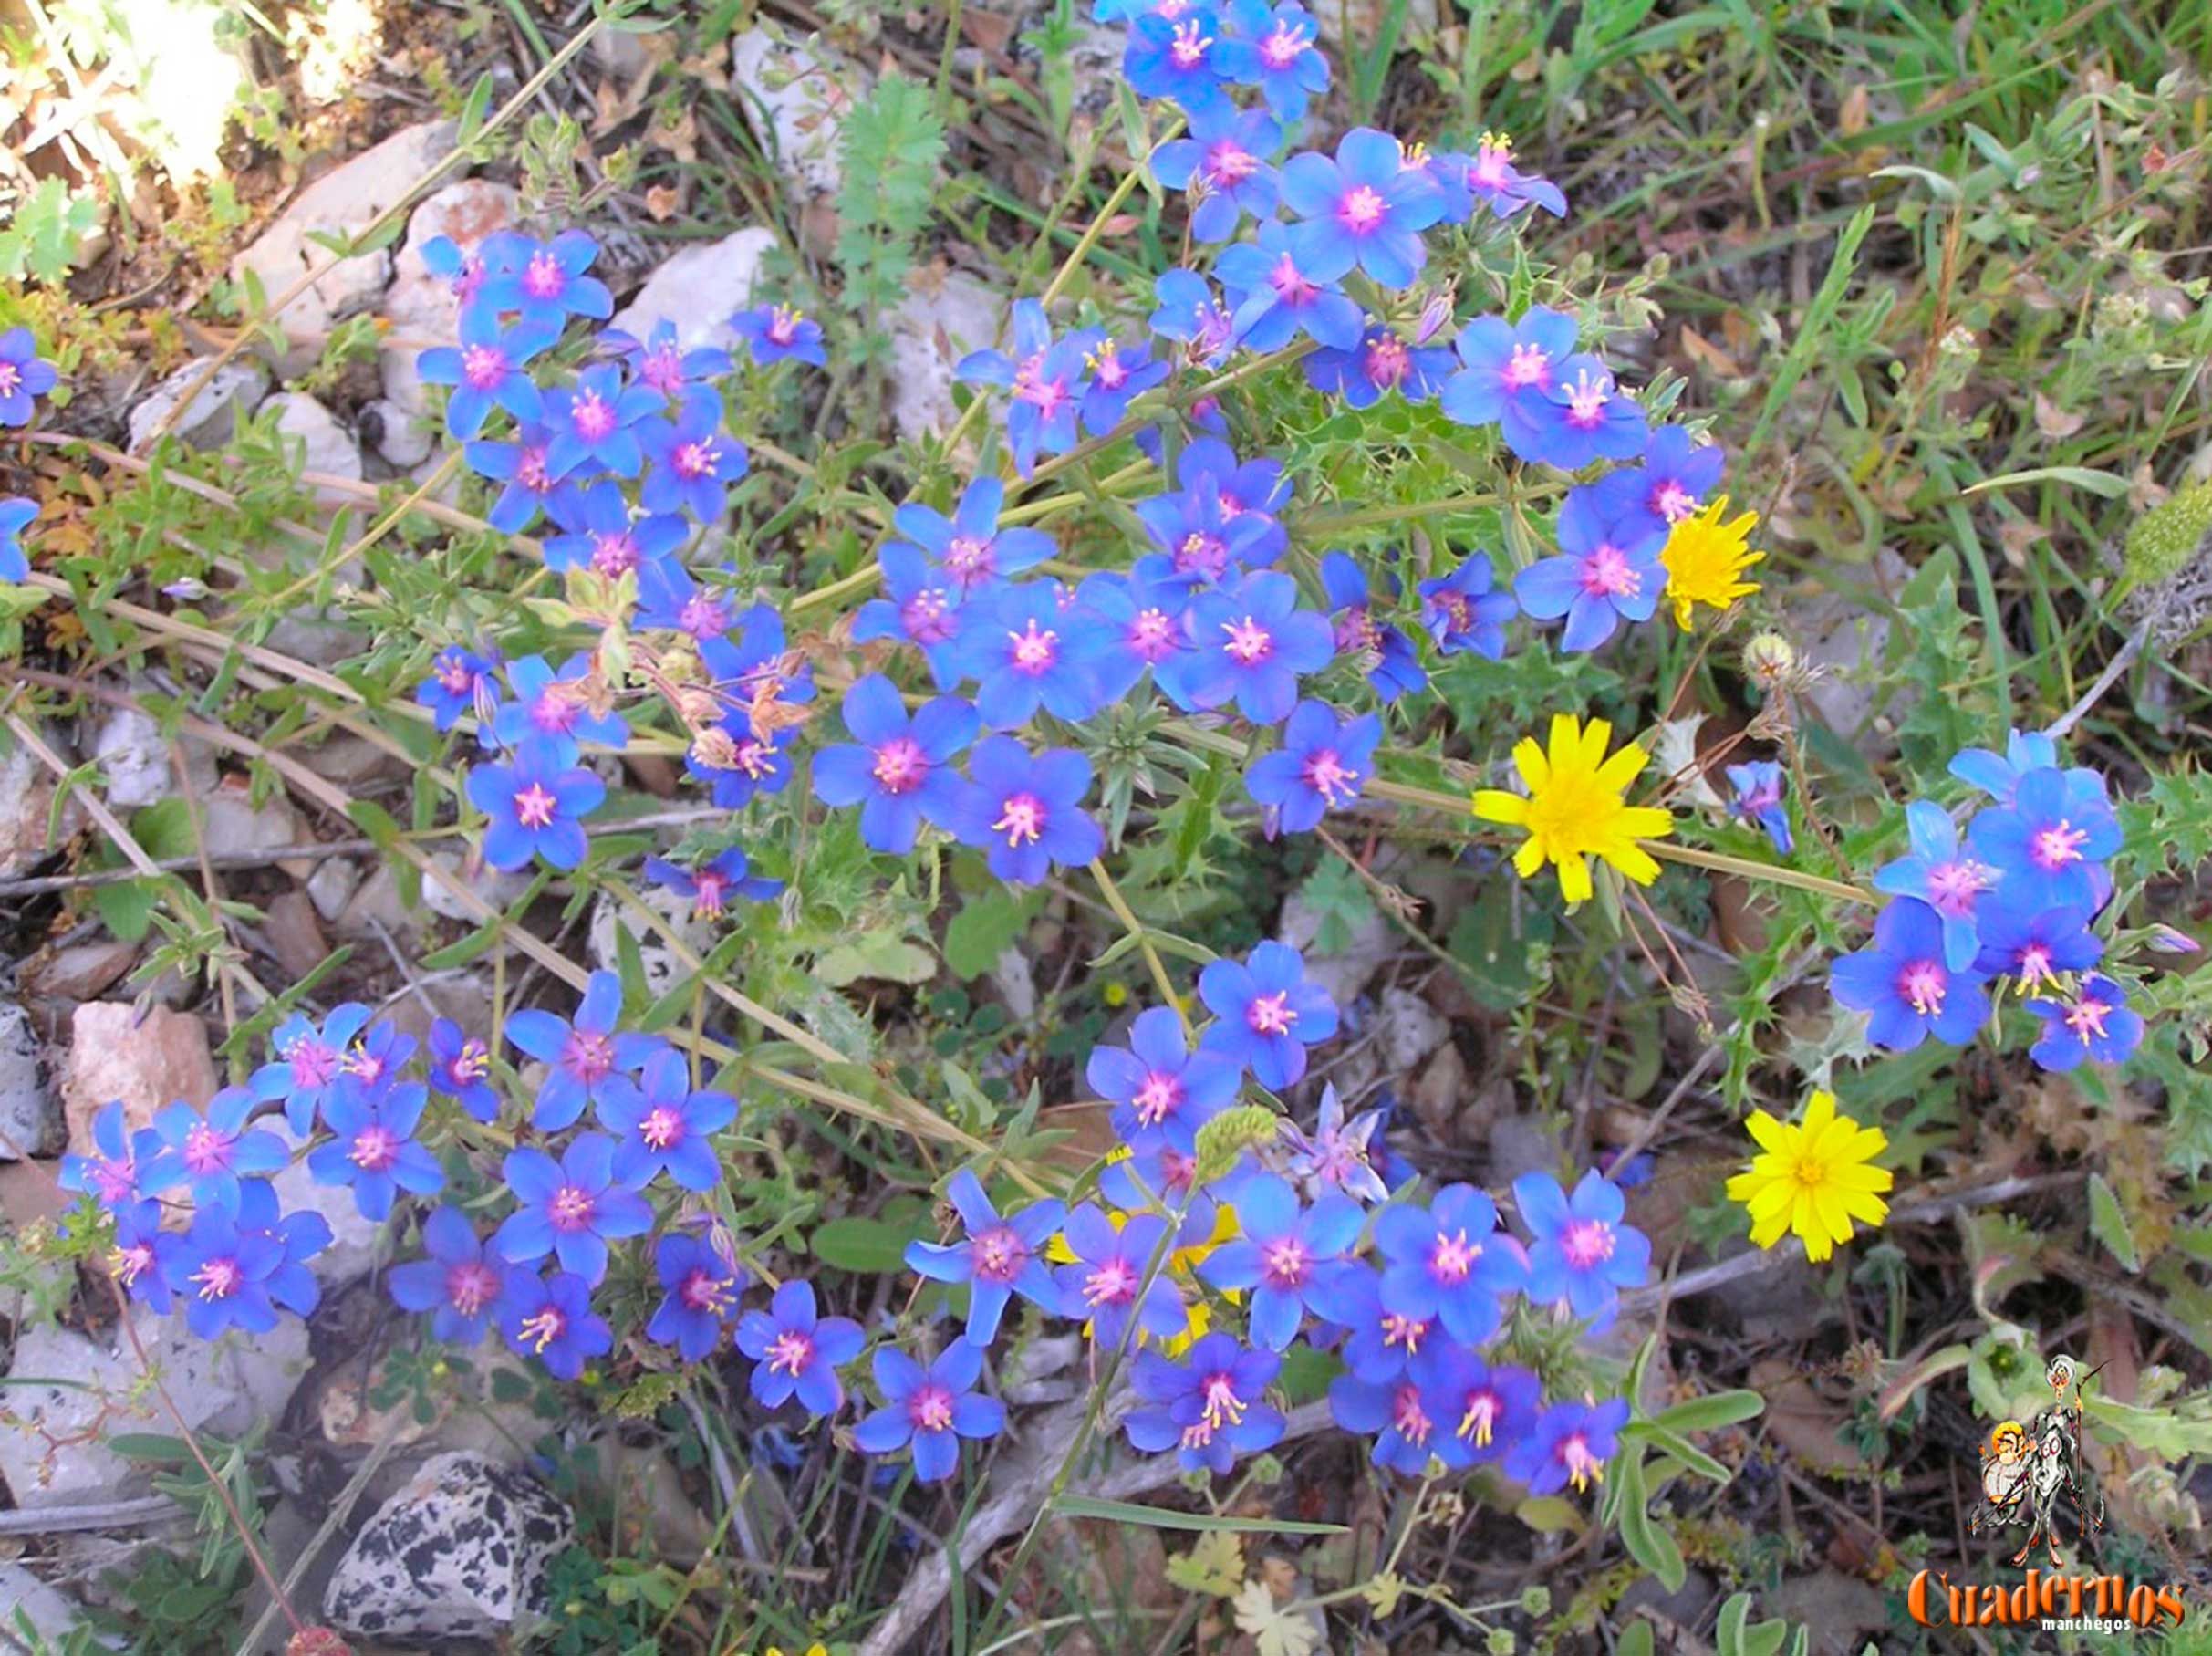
[[985, 926], [1214, 1565], [2108, 1223]]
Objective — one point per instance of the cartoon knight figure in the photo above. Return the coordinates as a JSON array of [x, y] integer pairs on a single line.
[[2058, 1469]]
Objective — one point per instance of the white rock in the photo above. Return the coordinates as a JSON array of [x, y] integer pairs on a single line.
[[331, 885], [461, 1552], [234, 826], [342, 202], [794, 103], [662, 965], [697, 289], [30, 1113], [234, 392], [1016, 982], [52, 1613], [326, 448], [134, 755], [933, 327], [353, 1241], [78, 1392], [490, 884], [402, 438], [27, 806], [1346, 973], [1409, 1029]]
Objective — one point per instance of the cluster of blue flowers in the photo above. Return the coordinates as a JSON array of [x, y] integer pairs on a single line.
[[23, 380], [2013, 899]]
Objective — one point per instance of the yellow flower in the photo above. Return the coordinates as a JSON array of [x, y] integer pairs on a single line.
[[1706, 559], [1575, 809], [1813, 1179]]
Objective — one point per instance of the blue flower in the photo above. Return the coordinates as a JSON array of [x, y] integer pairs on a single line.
[[546, 282], [15, 516], [1579, 1251], [1941, 876], [1381, 361], [125, 1164], [571, 1208], [1276, 52], [1274, 300], [1672, 482], [1266, 1013], [773, 332], [1385, 654], [455, 1282], [600, 536], [551, 1318], [552, 708], [223, 1273], [1364, 209], [1027, 809], [919, 606], [374, 1148], [1493, 177], [796, 1353], [1102, 1285], [1487, 1411], [1380, 1343], [1141, 618], [1605, 573], [1341, 1155], [1251, 488], [1401, 1413], [1510, 367], [662, 1125], [1571, 1444], [212, 1151], [735, 762], [1032, 337], [2052, 839], [1323, 763], [460, 683], [1462, 612], [1209, 1408], [1585, 416], [1998, 775], [670, 599], [141, 1246], [1162, 1092], [308, 1063], [698, 1285], [1759, 799], [694, 460], [2095, 1021], [534, 802], [899, 772], [585, 1057], [463, 271], [1119, 374], [660, 362], [1283, 1253], [487, 371], [1449, 1261], [1028, 646], [1048, 405], [2036, 947], [1161, 1180], [968, 550], [931, 1408], [1224, 163], [298, 1236], [520, 465], [1180, 57], [1001, 1257], [1249, 643], [711, 884], [23, 378], [1207, 537], [1905, 982], [594, 423], [1186, 312]]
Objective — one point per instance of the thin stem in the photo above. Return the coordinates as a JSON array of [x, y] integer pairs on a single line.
[[1112, 893]]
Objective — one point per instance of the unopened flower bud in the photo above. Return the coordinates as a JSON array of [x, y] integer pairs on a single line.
[[1769, 658], [714, 748]]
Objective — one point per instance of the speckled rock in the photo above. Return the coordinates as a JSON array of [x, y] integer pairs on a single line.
[[30, 1112], [461, 1552]]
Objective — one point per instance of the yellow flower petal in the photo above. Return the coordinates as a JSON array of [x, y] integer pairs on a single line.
[[1575, 878], [1495, 804]]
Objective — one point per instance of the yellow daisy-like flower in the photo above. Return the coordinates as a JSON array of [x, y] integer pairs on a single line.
[[1815, 1177], [1574, 809], [1706, 559]]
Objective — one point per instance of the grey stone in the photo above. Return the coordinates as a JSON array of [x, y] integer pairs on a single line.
[[663, 965], [934, 326], [234, 392], [461, 1552], [487, 884], [75, 1392], [1344, 973], [331, 885], [27, 807], [401, 438], [52, 1613], [1409, 1029], [697, 290], [325, 446], [30, 1112], [795, 102], [134, 755]]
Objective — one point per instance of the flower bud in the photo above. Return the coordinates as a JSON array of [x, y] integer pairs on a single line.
[[1769, 658]]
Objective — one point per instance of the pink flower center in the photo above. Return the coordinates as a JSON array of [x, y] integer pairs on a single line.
[[1389, 360], [999, 1254], [790, 1352], [969, 560], [1922, 986], [592, 416], [930, 1407], [1356, 630], [374, 1149], [1202, 554], [662, 1126], [1493, 163], [926, 617], [1284, 1263], [471, 1286], [784, 324], [113, 1181], [1290, 287], [704, 1291], [530, 471], [1362, 209], [1281, 48], [1229, 164], [1152, 636], [1529, 365], [694, 460], [543, 278], [571, 1208], [702, 618], [708, 898], [1407, 1415], [1587, 1242], [1034, 650], [1587, 400], [1270, 1014], [205, 1149], [588, 1056], [1187, 49], [1403, 1331], [1452, 1257], [313, 1063], [1672, 501], [2034, 966], [1583, 1467], [1107, 366], [1327, 776], [1249, 641], [1160, 1096], [535, 807], [1020, 820], [132, 1263], [484, 366], [1048, 397], [756, 758], [1112, 1282], [2086, 1017], [1607, 573], [900, 766], [1481, 1416], [11, 377], [662, 370], [1952, 887], [2055, 846], [614, 555], [219, 1278], [542, 1329], [455, 673], [1458, 611]]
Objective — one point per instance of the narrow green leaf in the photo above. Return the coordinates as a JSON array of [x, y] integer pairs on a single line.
[[1160, 1517]]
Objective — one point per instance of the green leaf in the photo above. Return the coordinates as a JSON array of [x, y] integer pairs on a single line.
[[126, 908], [2105, 483], [2108, 1223], [1307, 1373], [1339, 899], [164, 830], [1711, 1412], [1646, 1542], [985, 927], [881, 954], [1160, 1517], [867, 1247], [1550, 1515]]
